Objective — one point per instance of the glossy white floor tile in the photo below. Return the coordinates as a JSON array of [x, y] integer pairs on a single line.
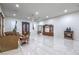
[[46, 45]]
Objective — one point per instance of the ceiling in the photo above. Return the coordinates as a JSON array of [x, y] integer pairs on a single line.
[[45, 9]]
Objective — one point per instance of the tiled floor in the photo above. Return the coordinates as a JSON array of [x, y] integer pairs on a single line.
[[46, 45]]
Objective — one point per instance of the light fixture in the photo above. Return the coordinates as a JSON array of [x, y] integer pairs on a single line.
[[47, 16], [28, 17], [36, 13], [14, 14], [17, 5], [65, 10]]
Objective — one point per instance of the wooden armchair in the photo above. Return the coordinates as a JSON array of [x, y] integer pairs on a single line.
[[24, 39]]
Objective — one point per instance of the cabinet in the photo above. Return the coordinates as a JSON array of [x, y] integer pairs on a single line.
[[25, 28], [48, 30]]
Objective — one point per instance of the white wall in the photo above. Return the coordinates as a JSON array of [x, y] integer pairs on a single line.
[[33, 24], [60, 24]]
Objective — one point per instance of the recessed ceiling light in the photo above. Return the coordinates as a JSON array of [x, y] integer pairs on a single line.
[[47, 16], [14, 14], [17, 5], [28, 17], [65, 10], [36, 13]]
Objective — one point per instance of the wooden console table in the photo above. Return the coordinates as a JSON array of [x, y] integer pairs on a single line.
[[68, 34]]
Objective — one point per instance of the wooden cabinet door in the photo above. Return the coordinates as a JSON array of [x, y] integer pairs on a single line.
[[25, 27]]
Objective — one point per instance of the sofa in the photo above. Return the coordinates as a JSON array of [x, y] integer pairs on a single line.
[[8, 42]]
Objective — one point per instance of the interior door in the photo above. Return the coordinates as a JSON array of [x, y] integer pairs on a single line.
[[25, 27]]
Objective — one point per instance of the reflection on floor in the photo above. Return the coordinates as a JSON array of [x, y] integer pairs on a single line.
[[46, 45]]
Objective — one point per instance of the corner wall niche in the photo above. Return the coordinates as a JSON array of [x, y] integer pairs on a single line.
[[1, 24], [48, 30]]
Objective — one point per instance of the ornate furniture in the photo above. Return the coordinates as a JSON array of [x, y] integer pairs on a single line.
[[11, 33], [25, 28], [8, 42], [24, 39], [68, 34], [48, 30], [25, 33]]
